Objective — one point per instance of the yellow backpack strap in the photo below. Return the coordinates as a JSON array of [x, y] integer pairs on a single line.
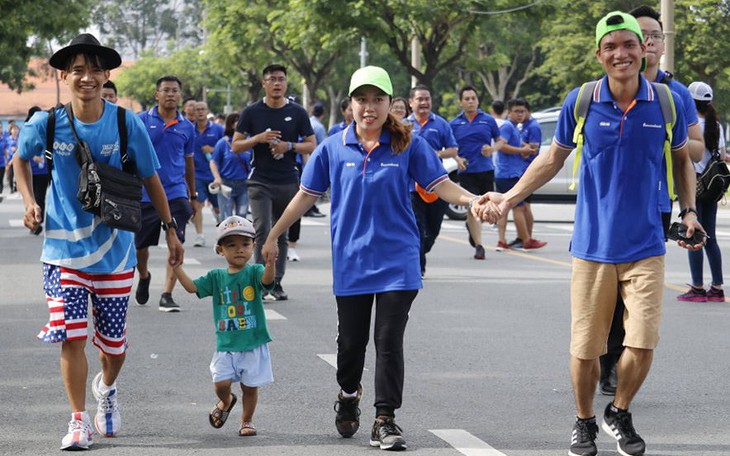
[[669, 113], [582, 104]]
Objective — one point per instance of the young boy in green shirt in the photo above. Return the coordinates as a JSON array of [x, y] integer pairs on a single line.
[[242, 349]]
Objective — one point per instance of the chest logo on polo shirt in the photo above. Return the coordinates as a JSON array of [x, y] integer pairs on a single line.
[[349, 164], [605, 124], [153, 126], [391, 165], [646, 125], [63, 149], [108, 149], [287, 119]]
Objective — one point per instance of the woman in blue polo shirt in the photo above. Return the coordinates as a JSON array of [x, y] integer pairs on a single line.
[[375, 243]]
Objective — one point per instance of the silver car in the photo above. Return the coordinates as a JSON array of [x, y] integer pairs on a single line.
[[555, 191]]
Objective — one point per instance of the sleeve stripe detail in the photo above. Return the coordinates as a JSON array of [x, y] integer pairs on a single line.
[[563, 146], [684, 143], [310, 192], [436, 182]]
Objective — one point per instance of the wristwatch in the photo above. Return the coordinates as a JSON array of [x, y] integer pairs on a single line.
[[194, 196], [171, 224]]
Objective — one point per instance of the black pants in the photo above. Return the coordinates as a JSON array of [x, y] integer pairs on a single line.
[[429, 217], [353, 332]]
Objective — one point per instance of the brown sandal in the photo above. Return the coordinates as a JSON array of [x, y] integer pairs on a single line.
[[218, 416], [247, 429]]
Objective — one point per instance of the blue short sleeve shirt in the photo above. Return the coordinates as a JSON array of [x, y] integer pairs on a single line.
[[209, 137], [75, 238], [230, 164], [173, 142], [375, 241], [617, 216], [531, 134], [509, 166], [471, 136]]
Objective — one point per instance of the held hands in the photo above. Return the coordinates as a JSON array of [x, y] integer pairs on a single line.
[[175, 249], [492, 206], [270, 251]]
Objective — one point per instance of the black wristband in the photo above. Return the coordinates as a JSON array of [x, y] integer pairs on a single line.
[[686, 211]]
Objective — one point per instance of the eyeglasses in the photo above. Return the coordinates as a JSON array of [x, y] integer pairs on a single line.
[[655, 36], [275, 80]]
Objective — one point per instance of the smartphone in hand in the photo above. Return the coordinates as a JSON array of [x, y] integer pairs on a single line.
[[678, 232]]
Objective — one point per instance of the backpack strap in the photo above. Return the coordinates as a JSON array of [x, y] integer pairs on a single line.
[[582, 104], [127, 164], [50, 137], [669, 113]]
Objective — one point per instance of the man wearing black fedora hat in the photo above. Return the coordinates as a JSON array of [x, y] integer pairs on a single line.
[[82, 256]]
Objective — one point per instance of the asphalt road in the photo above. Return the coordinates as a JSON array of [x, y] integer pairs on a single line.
[[486, 349]]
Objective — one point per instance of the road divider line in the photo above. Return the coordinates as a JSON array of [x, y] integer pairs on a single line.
[[465, 443], [273, 315], [329, 358], [16, 223], [191, 261]]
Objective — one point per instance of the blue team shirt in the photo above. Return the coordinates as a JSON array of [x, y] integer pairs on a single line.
[[337, 128], [531, 133], [509, 166], [75, 238], [375, 240], [4, 148], [471, 136], [690, 115], [230, 164], [172, 142], [209, 137], [617, 216]]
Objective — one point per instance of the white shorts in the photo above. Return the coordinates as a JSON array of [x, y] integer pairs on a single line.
[[251, 368]]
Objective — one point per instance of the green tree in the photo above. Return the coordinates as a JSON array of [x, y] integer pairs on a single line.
[[27, 30], [136, 26]]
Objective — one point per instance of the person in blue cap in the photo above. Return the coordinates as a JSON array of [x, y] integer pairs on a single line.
[[375, 243], [618, 239]]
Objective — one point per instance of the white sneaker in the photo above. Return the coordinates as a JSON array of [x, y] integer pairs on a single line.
[[199, 241], [80, 433], [291, 255], [107, 421]]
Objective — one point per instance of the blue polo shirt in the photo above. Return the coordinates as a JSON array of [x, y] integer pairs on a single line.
[[209, 137], [337, 128], [75, 238], [3, 148], [690, 115], [471, 137], [531, 133], [231, 165], [436, 131], [172, 142], [509, 166], [617, 216], [375, 241]]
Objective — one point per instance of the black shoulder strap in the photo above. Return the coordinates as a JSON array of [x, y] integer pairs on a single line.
[[50, 135], [667, 78], [127, 164]]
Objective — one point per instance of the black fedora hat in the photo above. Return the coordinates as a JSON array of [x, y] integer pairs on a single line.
[[85, 43]]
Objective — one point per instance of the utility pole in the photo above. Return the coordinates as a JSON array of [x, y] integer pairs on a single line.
[[667, 12], [363, 52], [415, 58]]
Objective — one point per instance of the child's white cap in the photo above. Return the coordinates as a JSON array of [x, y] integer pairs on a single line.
[[235, 225]]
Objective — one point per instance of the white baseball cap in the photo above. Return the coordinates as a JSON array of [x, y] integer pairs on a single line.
[[700, 91], [235, 225]]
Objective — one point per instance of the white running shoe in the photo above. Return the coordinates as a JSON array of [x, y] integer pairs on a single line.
[[107, 421], [80, 433], [199, 241], [291, 255]]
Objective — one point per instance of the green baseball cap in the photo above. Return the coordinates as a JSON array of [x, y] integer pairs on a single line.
[[371, 75], [617, 20]]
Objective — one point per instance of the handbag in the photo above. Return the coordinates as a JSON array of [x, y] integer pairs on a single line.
[[106, 191], [713, 182]]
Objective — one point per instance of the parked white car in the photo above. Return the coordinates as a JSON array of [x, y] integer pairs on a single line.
[[555, 191]]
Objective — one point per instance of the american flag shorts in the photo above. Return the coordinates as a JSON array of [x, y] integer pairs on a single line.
[[67, 293]]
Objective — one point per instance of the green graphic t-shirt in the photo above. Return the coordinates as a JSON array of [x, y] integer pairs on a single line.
[[238, 312]]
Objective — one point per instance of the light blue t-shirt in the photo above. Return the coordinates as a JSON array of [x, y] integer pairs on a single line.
[[75, 238], [375, 241], [617, 216]]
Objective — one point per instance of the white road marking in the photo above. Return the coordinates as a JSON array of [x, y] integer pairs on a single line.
[[190, 261], [273, 315], [16, 223], [465, 443], [329, 358]]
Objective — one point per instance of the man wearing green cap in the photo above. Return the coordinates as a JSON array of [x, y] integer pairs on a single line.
[[618, 238]]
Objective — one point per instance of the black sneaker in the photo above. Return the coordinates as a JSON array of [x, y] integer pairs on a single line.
[[583, 438], [347, 419], [142, 295], [167, 304], [479, 253], [278, 293], [618, 424], [516, 244], [387, 435]]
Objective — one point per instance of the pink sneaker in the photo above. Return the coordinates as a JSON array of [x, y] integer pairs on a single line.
[[693, 295], [715, 295]]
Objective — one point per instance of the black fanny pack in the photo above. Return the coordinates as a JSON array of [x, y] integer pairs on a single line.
[[105, 191]]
